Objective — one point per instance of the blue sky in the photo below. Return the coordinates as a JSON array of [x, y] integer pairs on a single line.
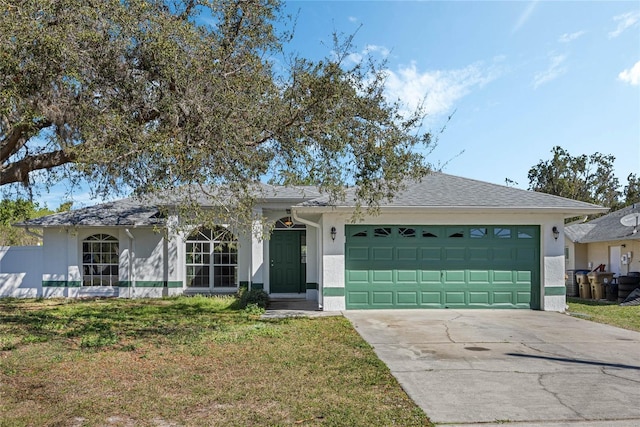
[[522, 77]]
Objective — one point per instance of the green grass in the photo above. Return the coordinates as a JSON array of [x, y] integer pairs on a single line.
[[188, 362], [609, 313]]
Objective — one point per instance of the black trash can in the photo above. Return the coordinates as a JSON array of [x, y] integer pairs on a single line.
[[611, 291]]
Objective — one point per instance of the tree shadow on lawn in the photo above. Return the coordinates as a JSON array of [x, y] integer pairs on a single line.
[[186, 319]]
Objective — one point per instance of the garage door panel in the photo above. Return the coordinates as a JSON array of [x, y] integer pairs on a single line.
[[358, 276], [407, 254], [409, 298], [525, 255], [358, 253], [431, 254], [454, 254], [502, 277], [503, 297], [479, 298], [523, 277], [479, 276], [382, 298], [439, 267], [502, 254], [407, 276], [479, 254], [382, 254], [358, 298], [454, 277], [381, 277], [430, 276], [523, 297], [433, 299], [454, 297]]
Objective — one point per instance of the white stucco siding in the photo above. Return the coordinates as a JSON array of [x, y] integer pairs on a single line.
[[149, 258], [245, 249]]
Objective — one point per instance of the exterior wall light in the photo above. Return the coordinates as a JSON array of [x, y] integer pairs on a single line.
[[555, 232], [333, 233]]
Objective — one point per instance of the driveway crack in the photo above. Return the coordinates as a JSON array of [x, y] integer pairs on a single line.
[[610, 374], [446, 328], [556, 396]]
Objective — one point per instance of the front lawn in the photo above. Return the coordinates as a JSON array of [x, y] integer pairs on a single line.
[[187, 362], [603, 312]]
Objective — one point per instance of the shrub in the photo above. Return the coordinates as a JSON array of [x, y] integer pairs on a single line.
[[255, 296]]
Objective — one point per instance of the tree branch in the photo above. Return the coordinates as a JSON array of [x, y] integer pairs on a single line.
[[19, 171], [18, 137]]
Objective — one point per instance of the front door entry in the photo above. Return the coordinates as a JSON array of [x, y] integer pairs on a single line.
[[286, 270]]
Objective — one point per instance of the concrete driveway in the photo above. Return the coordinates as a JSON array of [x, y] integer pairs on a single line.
[[491, 366]]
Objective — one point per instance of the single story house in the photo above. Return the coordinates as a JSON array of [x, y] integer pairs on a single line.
[[605, 240], [443, 242]]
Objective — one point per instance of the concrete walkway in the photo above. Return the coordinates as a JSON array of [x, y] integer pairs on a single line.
[[465, 367], [295, 307]]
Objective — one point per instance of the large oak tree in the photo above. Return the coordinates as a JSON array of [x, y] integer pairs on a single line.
[[152, 95], [589, 178]]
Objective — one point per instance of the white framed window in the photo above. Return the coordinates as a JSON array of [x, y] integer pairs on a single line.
[[212, 258], [100, 259]]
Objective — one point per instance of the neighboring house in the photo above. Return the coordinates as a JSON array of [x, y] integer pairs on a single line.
[[604, 240], [444, 242]]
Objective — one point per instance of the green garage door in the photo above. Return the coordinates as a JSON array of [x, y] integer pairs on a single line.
[[442, 266]]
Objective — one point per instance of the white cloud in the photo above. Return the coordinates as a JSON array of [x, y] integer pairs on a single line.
[[357, 57], [625, 21], [372, 48], [569, 37], [436, 90], [631, 75], [524, 16], [352, 19], [555, 70]]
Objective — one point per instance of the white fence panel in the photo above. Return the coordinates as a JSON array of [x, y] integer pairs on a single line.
[[21, 271]]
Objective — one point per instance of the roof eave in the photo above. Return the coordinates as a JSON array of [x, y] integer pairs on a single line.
[[565, 211]]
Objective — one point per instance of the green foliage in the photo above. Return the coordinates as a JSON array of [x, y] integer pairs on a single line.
[[95, 341], [151, 95], [253, 310], [12, 211], [632, 190], [586, 178], [257, 297]]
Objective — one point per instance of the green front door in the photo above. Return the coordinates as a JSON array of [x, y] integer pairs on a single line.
[[286, 270], [442, 266]]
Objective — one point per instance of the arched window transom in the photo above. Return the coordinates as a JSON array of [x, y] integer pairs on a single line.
[[100, 259]]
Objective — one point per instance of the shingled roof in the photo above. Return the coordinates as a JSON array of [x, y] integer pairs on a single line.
[[603, 229], [146, 211], [435, 191], [440, 190], [125, 212]]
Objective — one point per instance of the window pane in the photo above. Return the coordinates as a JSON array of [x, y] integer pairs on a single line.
[[502, 233], [455, 232], [407, 232], [477, 233], [526, 233], [100, 260], [382, 232]]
